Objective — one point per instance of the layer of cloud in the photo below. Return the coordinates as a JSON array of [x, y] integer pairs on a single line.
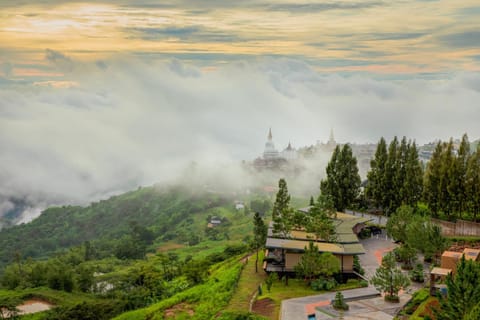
[[184, 33], [464, 39], [310, 7], [138, 122]]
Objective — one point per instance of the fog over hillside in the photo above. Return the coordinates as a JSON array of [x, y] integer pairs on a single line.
[[117, 124]]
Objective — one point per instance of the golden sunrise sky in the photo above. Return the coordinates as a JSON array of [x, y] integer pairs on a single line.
[[386, 37]]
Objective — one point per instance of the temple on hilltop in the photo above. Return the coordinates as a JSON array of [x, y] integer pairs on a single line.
[[272, 158]]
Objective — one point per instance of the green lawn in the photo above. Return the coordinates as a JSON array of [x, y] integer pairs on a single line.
[[296, 288]]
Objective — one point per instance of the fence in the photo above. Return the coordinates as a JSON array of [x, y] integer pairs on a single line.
[[459, 228]]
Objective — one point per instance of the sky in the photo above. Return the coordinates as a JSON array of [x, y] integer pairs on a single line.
[[99, 96]]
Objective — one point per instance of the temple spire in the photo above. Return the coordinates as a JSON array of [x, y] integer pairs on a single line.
[[331, 139], [270, 134]]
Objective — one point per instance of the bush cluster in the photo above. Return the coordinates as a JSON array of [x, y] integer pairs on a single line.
[[323, 284]]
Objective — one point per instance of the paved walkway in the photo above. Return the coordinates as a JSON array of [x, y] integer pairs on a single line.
[[373, 308], [369, 306], [300, 308], [375, 248]]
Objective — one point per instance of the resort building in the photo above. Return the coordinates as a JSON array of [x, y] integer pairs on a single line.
[[283, 254]]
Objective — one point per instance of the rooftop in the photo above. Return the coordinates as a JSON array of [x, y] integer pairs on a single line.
[[471, 254], [299, 245], [440, 271], [452, 254], [346, 243]]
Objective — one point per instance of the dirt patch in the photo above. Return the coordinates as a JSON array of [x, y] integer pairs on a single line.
[[33, 306], [170, 246], [460, 246], [181, 308], [264, 307]]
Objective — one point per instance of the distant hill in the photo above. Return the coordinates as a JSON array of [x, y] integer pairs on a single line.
[[162, 210]]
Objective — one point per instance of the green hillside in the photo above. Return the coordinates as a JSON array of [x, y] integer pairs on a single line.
[[150, 248], [169, 213], [144, 254]]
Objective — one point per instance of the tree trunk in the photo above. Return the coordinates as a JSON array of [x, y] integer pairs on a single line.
[[256, 263]]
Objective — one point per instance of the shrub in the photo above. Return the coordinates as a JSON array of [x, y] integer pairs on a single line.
[[420, 296], [416, 274], [389, 298], [233, 250], [323, 284], [270, 279], [339, 303], [356, 265], [98, 310], [365, 233], [363, 283], [417, 299]]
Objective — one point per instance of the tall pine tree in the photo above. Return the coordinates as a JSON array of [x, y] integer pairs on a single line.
[[413, 183], [472, 183], [432, 180], [401, 173], [343, 181], [282, 213], [376, 186], [391, 194], [446, 179], [259, 235], [395, 176], [457, 187]]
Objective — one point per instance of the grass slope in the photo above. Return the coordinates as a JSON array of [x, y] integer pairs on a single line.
[[247, 285], [203, 301]]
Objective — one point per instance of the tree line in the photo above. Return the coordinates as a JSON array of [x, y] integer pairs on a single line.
[[449, 184]]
